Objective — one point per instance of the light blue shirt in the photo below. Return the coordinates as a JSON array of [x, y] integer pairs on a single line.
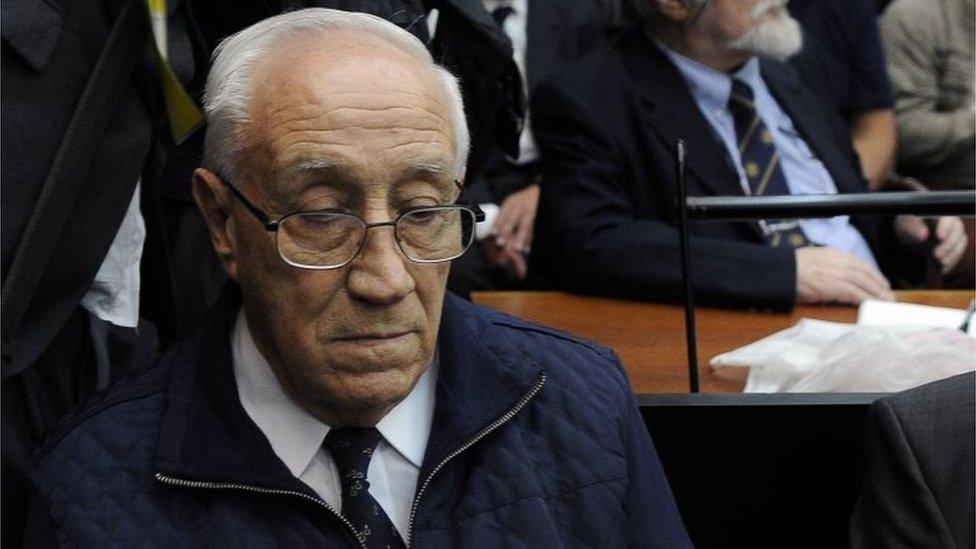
[[804, 172]]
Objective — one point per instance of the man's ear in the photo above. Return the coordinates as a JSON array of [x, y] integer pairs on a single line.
[[676, 10], [213, 200]]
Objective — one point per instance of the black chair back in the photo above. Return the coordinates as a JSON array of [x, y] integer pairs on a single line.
[[761, 470]]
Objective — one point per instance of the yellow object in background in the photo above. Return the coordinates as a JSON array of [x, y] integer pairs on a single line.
[[182, 112]]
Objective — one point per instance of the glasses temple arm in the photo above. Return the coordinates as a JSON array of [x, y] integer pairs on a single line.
[[269, 224], [464, 200]]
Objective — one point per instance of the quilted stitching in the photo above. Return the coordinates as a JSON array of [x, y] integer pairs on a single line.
[[553, 476]]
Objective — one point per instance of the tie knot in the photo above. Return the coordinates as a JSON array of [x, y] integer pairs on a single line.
[[501, 13], [352, 448], [741, 95]]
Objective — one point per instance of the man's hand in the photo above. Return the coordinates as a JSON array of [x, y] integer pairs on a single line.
[[828, 275], [504, 258], [949, 233], [511, 233], [516, 220]]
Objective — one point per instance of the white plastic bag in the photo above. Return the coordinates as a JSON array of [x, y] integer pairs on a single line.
[[819, 356]]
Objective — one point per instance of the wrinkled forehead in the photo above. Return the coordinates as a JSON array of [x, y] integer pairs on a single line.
[[324, 79], [350, 103]]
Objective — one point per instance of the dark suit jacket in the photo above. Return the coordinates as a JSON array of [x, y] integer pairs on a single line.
[[49, 50], [919, 459], [607, 128], [557, 31]]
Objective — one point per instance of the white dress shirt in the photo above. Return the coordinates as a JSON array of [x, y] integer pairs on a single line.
[[804, 172], [114, 293], [296, 436], [516, 27]]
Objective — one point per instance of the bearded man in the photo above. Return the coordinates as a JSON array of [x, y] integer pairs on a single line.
[[711, 73]]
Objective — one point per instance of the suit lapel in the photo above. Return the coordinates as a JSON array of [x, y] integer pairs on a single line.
[[795, 99], [668, 108]]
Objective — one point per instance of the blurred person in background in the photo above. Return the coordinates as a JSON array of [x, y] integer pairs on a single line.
[[714, 74], [841, 47], [545, 34], [929, 49], [86, 286]]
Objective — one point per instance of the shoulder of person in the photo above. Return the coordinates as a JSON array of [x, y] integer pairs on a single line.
[[954, 396], [559, 353], [918, 15], [589, 71], [119, 412]]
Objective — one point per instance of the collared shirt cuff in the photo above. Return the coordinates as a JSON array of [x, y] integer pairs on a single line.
[[483, 230]]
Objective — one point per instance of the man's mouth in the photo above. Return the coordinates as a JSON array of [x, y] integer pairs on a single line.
[[375, 338]]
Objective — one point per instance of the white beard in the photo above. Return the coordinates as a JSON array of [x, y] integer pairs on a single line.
[[776, 38]]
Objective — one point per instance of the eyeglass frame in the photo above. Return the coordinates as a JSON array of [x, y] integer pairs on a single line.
[[272, 225]]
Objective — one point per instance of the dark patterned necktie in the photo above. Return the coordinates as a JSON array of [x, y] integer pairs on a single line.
[[352, 448], [761, 162]]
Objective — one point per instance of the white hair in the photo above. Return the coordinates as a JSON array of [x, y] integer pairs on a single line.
[[227, 94], [776, 38]]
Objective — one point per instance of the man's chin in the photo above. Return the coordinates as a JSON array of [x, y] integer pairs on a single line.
[[371, 394], [360, 357]]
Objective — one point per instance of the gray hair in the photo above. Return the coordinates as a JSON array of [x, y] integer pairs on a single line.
[[227, 94]]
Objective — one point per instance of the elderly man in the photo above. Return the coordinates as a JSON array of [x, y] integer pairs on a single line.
[[710, 73], [338, 397]]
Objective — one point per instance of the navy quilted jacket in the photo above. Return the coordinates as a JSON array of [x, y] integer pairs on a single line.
[[536, 442]]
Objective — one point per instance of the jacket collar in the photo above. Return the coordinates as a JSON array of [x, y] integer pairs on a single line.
[[668, 107], [798, 101], [206, 435], [482, 376]]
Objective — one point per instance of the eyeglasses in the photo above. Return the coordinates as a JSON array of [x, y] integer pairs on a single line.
[[331, 239]]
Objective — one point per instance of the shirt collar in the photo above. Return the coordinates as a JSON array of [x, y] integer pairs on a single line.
[[710, 86], [296, 435], [407, 426]]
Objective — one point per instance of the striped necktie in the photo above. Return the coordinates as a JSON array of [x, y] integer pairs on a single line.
[[761, 163]]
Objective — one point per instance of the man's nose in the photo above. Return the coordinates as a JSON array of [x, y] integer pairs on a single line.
[[379, 273]]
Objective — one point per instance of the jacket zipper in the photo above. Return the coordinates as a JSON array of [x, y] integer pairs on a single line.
[[184, 483], [480, 435], [200, 484]]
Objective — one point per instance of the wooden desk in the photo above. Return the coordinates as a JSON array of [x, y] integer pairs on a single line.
[[650, 337]]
